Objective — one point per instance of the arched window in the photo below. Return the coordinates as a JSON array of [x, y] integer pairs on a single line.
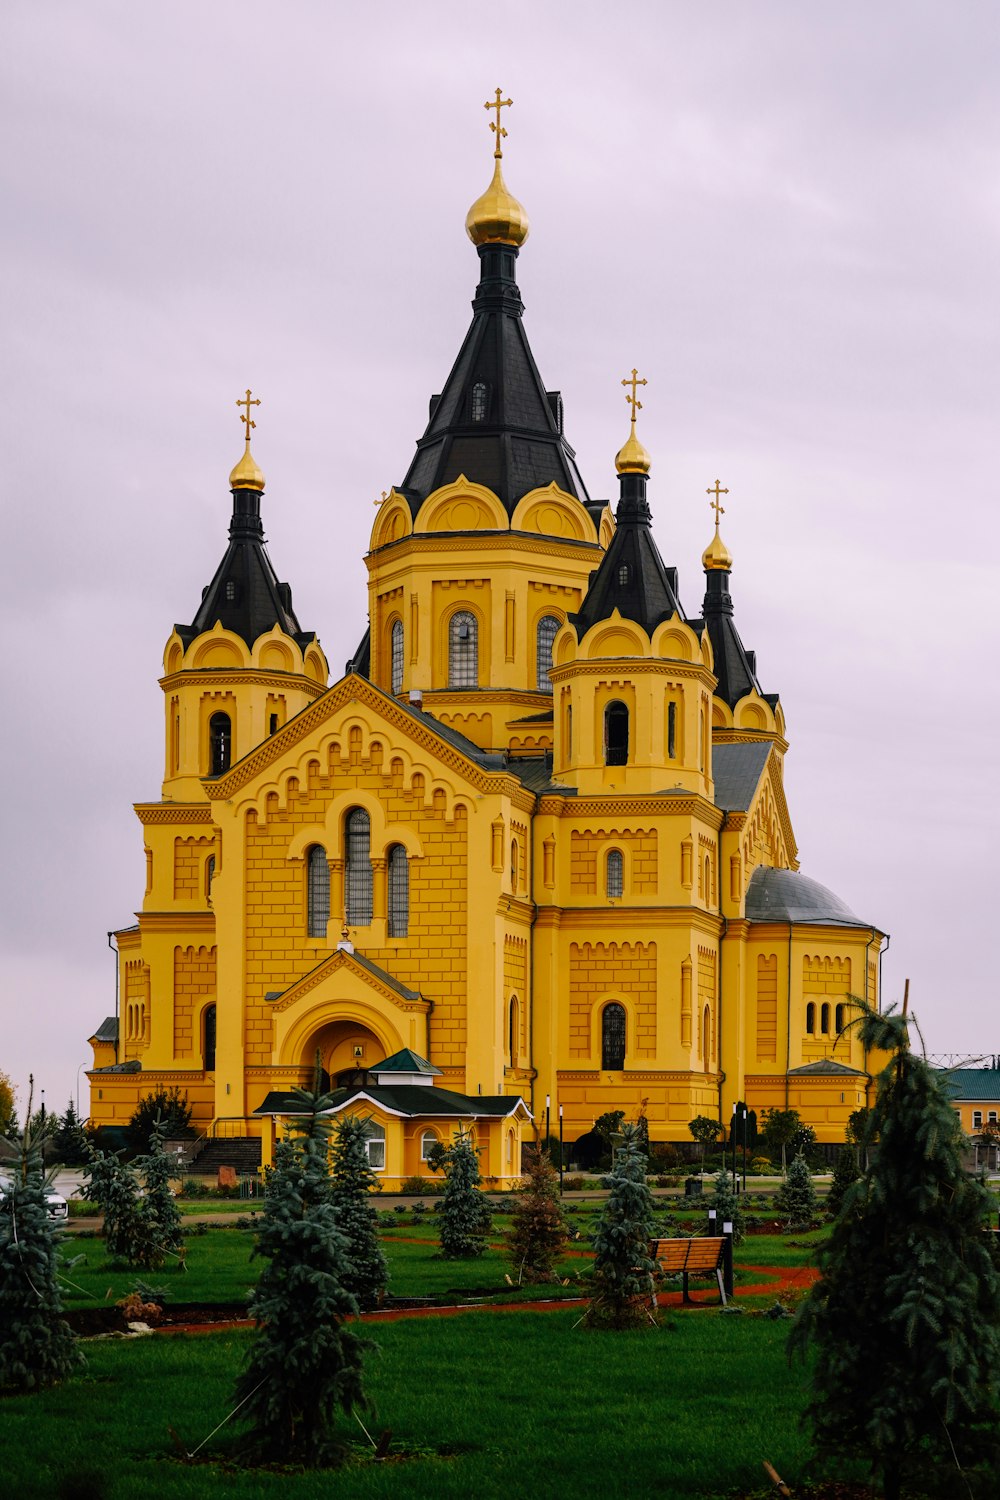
[[671, 730], [399, 892], [613, 1037], [706, 1036], [209, 876], [840, 1017], [397, 656], [708, 881], [317, 891], [220, 744], [463, 650], [208, 1039], [427, 1143], [811, 1018], [616, 734], [623, 573], [480, 401], [824, 1024], [513, 1025], [513, 864], [375, 1145], [548, 629], [358, 870], [615, 874]]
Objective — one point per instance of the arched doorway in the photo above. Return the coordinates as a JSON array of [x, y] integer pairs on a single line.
[[342, 1045]]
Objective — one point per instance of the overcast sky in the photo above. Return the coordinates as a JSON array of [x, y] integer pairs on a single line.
[[786, 215]]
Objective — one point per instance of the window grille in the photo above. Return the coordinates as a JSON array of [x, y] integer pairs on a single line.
[[548, 629], [623, 573], [358, 873], [318, 882], [616, 735], [399, 892], [396, 653], [613, 1037], [230, 591], [480, 401], [463, 650], [615, 874], [220, 743]]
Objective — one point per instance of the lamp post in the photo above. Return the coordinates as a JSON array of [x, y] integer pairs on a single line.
[[548, 1104], [744, 1150], [560, 1150]]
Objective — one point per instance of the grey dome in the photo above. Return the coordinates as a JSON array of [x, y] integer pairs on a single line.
[[787, 896]]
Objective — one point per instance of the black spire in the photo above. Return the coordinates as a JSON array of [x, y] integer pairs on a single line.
[[494, 421], [632, 577], [245, 594], [735, 666]]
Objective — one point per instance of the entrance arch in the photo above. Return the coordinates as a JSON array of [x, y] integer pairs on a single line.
[[342, 1044]]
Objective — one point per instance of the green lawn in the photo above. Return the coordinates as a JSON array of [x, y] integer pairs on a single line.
[[497, 1405]]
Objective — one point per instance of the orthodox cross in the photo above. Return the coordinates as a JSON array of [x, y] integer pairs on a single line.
[[385, 496], [246, 418], [498, 104], [633, 399], [716, 505]]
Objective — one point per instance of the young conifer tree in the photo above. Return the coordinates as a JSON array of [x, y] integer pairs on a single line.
[[114, 1187], [465, 1211], [539, 1231], [161, 1218], [727, 1206], [69, 1143], [796, 1199], [353, 1182], [844, 1173], [37, 1348], [304, 1365], [623, 1295], [906, 1318]]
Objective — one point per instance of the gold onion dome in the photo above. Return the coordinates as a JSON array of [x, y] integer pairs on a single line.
[[246, 475], [633, 458], [717, 557], [497, 218]]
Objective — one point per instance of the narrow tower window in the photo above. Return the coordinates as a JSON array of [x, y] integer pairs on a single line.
[[399, 892], [615, 874], [513, 864], [613, 1037], [208, 1048], [318, 891], [209, 876], [811, 1018], [513, 1020], [616, 734], [623, 573], [359, 868], [220, 744], [671, 730], [463, 650], [824, 1024], [548, 629], [840, 1018], [397, 656], [480, 401]]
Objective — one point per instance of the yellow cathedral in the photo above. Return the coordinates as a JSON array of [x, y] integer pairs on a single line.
[[530, 854]]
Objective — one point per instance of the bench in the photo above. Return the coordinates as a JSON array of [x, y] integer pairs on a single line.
[[697, 1257]]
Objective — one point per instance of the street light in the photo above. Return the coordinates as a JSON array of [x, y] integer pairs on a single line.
[[560, 1150]]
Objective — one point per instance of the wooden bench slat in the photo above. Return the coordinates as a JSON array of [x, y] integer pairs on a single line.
[[702, 1256]]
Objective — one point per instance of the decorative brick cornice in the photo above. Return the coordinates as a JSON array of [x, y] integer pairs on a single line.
[[481, 541], [629, 667], [177, 921], [655, 805], [172, 812], [240, 676]]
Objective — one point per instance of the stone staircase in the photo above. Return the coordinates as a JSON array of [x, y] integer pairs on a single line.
[[241, 1152]]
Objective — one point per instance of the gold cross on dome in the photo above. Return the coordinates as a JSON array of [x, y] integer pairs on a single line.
[[383, 499], [716, 505], [498, 104], [245, 417], [632, 398]]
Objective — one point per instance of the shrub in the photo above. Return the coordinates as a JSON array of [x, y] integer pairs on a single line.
[[465, 1212], [572, 1184], [761, 1165], [170, 1107], [727, 1206], [538, 1233], [795, 1199], [623, 1294], [415, 1185], [366, 1275], [845, 1172]]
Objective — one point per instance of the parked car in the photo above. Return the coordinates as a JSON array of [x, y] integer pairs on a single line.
[[57, 1206]]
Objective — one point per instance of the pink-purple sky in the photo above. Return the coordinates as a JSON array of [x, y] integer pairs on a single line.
[[786, 215]]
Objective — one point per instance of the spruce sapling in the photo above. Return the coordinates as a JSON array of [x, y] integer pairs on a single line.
[[539, 1231], [727, 1206], [353, 1182], [623, 1295], [795, 1199], [465, 1215]]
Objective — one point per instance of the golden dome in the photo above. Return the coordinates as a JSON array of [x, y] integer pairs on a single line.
[[717, 557], [246, 475], [497, 218], [633, 457]]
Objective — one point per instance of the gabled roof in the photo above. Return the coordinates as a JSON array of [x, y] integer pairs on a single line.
[[494, 421], [737, 770], [409, 1101], [342, 957], [972, 1084], [107, 1031]]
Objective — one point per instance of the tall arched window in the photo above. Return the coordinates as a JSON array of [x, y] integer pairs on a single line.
[[706, 1036], [615, 874], [513, 864], [208, 1039], [358, 871], [613, 1037], [548, 629], [396, 653], [480, 401], [811, 1018], [824, 1023], [209, 876], [840, 1017], [671, 730], [317, 891], [375, 1145], [427, 1143], [220, 744], [616, 734], [399, 892], [513, 1025], [463, 650]]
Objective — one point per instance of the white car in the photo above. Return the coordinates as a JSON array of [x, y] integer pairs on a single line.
[[55, 1202]]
